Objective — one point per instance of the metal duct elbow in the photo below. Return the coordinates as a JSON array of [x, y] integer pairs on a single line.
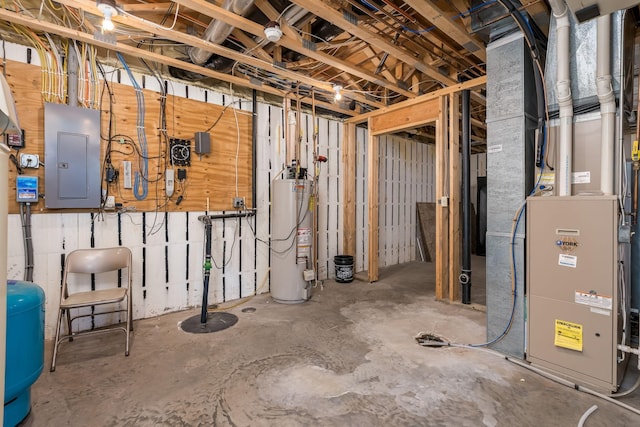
[[218, 31]]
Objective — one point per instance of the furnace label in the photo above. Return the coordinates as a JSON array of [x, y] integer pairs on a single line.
[[593, 299], [568, 335], [568, 260]]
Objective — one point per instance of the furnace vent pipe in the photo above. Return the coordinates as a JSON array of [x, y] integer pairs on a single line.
[[563, 88], [218, 31], [607, 103]]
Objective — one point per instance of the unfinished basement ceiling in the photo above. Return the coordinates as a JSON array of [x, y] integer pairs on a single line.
[[379, 51]]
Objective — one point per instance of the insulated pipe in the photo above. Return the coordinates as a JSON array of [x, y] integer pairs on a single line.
[[563, 88], [218, 31], [607, 103], [465, 276]]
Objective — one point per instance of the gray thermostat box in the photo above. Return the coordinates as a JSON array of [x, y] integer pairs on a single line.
[[72, 156], [203, 143]]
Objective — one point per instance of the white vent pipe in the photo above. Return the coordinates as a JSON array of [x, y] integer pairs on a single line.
[[607, 103], [563, 88]]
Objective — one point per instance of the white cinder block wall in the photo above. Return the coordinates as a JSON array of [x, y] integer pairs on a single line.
[[168, 247]]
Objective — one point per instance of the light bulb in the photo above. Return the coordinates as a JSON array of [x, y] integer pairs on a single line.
[[108, 9], [107, 23], [338, 95]]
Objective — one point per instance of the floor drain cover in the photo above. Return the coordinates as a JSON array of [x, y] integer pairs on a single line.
[[249, 310], [431, 340], [215, 322]]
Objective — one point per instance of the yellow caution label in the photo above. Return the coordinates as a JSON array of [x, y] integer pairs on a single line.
[[568, 335]]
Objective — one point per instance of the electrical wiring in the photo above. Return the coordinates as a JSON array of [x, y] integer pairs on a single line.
[[140, 188], [555, 378]]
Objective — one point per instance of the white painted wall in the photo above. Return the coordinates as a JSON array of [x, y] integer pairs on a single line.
[[164, 284], [406, 177]]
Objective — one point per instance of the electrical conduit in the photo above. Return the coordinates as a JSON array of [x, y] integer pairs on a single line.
[[565, 101], [140, 186], [607, 103]]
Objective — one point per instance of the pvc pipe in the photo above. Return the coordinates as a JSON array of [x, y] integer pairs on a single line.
[[607, 103], [565, 101], [584, 416]]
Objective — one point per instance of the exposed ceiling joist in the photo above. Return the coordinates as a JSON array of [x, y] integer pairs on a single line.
[[349, 23], [40, 25], [296, 44], [444, 21], [189, 40]]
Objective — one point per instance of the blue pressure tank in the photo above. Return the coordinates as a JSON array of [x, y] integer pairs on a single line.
[[25, 348]]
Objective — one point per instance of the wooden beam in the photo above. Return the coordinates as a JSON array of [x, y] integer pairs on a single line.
[[454, 196], [145, 54], [373, 163], [252, 46], [349, 149], [373, 57], [339, 18], [294, 42], [403, 118], [470, 84], [443, 20], [194, 41], [442, 213]]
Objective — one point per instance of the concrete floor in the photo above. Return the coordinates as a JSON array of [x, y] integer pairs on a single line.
[[346, 358]]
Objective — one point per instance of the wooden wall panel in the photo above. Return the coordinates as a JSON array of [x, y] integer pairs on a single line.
[[210, 177]]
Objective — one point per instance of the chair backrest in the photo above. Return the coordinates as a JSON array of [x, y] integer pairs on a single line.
[[98, 260]]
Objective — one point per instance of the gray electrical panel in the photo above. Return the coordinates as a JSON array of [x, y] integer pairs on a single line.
[[72, 156]]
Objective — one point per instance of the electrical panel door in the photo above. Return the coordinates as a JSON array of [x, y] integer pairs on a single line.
[[72, 157]]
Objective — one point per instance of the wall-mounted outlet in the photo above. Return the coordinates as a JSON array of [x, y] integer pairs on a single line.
[[110, 203], [29, 161], [238, 202]]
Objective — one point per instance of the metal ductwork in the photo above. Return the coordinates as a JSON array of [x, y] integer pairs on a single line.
[[218, 31]]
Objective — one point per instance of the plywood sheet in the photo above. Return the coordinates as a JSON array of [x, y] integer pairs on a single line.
[[211, 178], [427, 225]]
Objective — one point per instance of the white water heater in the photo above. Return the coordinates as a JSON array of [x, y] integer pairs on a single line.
[[291, 240]]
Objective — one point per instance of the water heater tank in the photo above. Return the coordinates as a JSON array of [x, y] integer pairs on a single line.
[[25, 348], [291, 240]]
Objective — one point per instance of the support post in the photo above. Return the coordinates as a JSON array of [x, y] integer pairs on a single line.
[[349, 188], [373, 163], [442, 213]]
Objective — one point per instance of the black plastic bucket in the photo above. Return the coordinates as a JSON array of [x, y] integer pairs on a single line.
[[344, 268]]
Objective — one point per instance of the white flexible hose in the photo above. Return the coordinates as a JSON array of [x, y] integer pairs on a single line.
[[584, 416]]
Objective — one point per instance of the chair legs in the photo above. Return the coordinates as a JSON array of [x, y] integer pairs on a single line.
[[56, 341], [129, 325], [66, 313]]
